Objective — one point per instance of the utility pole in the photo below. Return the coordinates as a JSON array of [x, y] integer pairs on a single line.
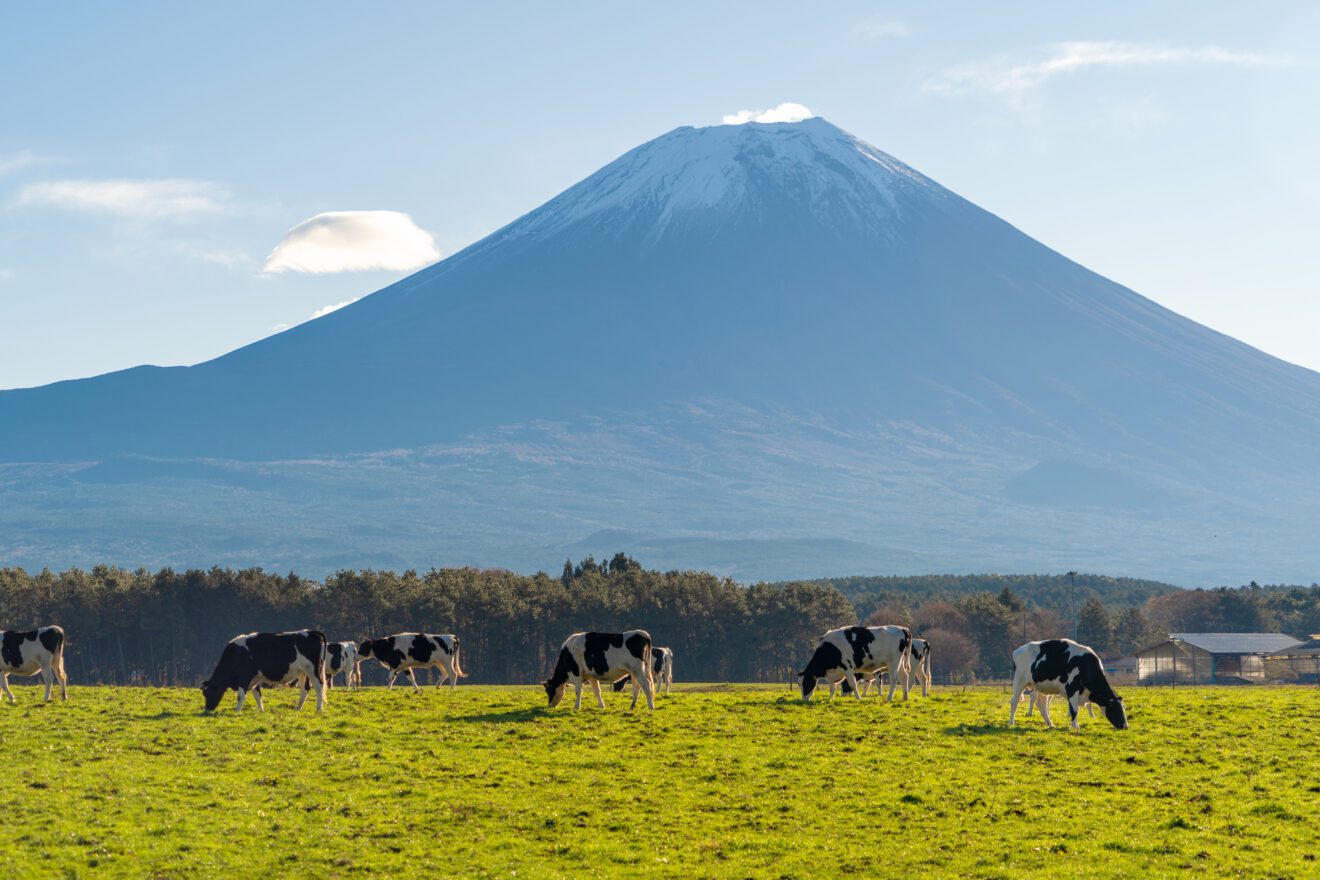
[[1072, 601]]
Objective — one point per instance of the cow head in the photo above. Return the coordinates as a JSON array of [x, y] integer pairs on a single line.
[[213, 693], [1116, 713], [808, 685], [554, 692]]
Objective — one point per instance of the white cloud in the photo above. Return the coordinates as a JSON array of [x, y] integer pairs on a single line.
[[879, 28], [325, 310], [786, 112], [138, 199], [1011, 76], [280, 327], [353, 241], [15, 162]]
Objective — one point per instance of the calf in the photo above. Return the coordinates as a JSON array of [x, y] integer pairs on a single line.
[[662, 670], [404, 652], [342, 657], [1061, 667], [842, 653], [27, 653], [595, 657], [257, 659]]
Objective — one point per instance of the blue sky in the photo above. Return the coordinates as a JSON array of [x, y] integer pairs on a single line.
[[169, 174]]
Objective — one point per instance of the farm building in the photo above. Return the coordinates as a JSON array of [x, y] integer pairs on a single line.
[[1300, 662], [1210, 658]]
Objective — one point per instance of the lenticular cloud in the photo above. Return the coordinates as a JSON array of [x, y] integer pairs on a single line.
[[353, 241], [786, 112]]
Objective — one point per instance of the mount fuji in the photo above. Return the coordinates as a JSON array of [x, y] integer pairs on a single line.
[[767, 349]]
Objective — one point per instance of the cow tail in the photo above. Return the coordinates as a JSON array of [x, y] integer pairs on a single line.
[[322, 658], [458, 669], [646, 661]]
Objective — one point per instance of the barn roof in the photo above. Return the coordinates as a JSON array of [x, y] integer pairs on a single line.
[[1237, 643], [1308, 648]]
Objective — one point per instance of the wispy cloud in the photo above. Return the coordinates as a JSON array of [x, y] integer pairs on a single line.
[[1010, 75], [353, 241], [135, 199], [325, 310], [12, 163], [786, 112], [880, 28]]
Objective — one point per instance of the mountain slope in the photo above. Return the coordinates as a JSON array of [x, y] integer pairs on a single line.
[[785, 269]]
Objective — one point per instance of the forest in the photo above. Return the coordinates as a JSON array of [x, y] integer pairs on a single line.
[[168, 627]]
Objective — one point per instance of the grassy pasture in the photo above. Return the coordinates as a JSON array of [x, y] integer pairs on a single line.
[[719, 782]]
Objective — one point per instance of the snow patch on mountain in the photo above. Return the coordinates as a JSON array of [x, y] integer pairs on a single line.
[[712, 175]]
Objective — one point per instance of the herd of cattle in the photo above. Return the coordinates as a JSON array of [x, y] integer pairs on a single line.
[[851, 657]]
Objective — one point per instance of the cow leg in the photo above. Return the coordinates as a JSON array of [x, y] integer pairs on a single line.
[[1090, 708], [1031, 704], [48, 679], [241, 694], [906, 663], [1044, 706], [4, 683], [1074, 710], [320, 684], [637, 689], [648, 687], [893, 684], [595, 688], [1012, 706], [256, 695], [577, 695], [452, 672], [413, 678], [852, 683]]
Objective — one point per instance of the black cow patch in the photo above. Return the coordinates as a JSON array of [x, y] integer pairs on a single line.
[[50, 639], [11, 647], [637, 645], [422, 648], [564, 667], [860, 639], [827, 657], [595, 645]]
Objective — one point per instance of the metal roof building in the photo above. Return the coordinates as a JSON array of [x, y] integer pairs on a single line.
[[1210, 658]]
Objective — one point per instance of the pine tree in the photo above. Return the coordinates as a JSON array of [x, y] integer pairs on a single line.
[[1095, 628]]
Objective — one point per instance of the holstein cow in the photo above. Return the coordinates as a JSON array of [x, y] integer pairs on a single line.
[[595, 657], [404, 652], [1061, 667], [342, 657], [662, 670], [257, 659], [919, 665], [27, 653], [842, 653]]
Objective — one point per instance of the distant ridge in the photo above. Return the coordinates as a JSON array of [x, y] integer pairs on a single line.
[[771, 333]]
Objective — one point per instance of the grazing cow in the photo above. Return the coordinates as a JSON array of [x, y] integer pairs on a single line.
[[1061, 667], [257, 659], [842, 653], [662, 670], [919, 665], [404, 652], [27, 653], [342, 657], [595, 657]]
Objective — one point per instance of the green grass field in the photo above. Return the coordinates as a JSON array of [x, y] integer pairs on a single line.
[[718, 782]]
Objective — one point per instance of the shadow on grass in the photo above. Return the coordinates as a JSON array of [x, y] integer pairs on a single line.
[[511, 715], [984, 730]]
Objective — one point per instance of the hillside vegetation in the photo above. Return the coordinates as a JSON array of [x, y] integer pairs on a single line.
[[718, 782]]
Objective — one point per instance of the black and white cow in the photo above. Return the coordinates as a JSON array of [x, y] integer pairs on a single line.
[[662, 670], [1061, 667], [342, 657], [592, 657], [919, 666], [27, 653], [404, 652], [250, 661], [842, 653]]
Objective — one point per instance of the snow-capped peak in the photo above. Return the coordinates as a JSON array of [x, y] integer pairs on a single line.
[[699, 176]]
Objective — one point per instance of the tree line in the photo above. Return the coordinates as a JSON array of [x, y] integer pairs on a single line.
[[168, 627]]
